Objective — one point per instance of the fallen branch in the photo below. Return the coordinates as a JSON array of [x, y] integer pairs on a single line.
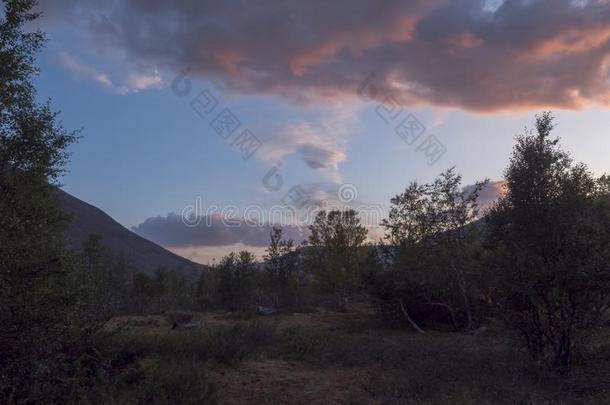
[[411, 321]]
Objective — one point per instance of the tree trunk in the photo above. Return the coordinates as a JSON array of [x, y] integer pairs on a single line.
[[462, 285], [563, 352], [343, 301], [406, 314]]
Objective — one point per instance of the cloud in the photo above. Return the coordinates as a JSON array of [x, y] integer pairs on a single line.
[[489, 193], [83, 70], [474, 55], [321, 145], [142, 81], [213, 254], [319, 158], [135, 81], [212, 230]]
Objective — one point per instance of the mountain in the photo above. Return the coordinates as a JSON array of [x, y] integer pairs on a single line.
[[144, 255]]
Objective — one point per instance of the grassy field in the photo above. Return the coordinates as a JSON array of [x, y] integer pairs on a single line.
[[324, 357]]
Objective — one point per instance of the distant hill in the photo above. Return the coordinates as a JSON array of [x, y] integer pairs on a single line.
[[144, 255]]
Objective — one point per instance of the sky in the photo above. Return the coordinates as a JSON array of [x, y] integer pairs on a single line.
[[197, 116]]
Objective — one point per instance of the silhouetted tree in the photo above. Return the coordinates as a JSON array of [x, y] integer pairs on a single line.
[[36, 299], [104, 278], [143, 293], [281, 267], [205, 290], [171, 289], [235, 275], [550, 233]]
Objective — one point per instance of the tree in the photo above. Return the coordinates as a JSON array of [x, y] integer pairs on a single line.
[[36, 299], [235, 280], [104, 278], [143, 292], [171, 289], [281, 266], [205, 289], [550, 234], [336, 252], [430, 234]]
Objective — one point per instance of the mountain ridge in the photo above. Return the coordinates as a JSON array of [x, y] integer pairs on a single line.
[[144, 255]]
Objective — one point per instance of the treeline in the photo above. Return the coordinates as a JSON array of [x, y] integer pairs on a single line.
[[538, 258]]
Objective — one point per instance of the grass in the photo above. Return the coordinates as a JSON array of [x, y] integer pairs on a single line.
[[450, 368], [393, 367], [438, 368], [173, 368], [158, 382], [225, 346]]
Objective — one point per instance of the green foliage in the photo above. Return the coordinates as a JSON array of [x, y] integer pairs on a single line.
[[335, 252], [103, 281], [550, 233], [166, 290], [205, 290], [171, 289], [433, 247], [143, 293], [36, 300]]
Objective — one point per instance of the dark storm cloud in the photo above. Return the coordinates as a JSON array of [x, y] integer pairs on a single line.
[[524, 54]]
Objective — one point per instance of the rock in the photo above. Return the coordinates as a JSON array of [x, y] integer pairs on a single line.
[[189, 326], [262, 310]]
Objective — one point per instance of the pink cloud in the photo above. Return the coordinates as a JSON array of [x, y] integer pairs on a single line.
[[513, 56]]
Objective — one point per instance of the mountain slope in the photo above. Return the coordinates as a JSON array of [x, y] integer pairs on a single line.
[[144, 255]]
